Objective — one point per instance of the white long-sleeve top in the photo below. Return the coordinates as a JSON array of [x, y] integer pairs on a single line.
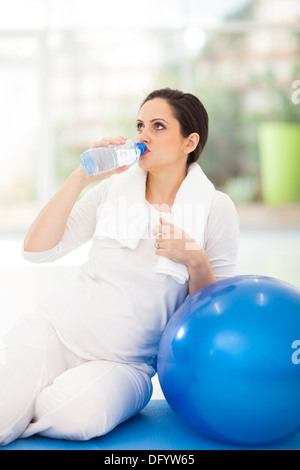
[[115, 308]]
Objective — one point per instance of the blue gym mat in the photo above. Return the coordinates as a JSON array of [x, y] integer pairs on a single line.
[[157, 427]]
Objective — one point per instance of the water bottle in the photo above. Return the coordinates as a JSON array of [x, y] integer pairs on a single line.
[[103, 159]]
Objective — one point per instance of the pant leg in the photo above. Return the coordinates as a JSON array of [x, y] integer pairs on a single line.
[[30, 357], [90, 400]]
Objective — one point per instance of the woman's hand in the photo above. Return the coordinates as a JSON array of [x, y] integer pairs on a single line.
[[105, 142], [172, 242], [175, 244]]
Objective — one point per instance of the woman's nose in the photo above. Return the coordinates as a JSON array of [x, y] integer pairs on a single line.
[[144, 135]]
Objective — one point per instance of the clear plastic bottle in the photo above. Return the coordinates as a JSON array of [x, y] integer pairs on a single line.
[[103, 159]]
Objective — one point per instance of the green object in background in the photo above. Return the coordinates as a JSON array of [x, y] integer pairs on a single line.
[[279, 146]]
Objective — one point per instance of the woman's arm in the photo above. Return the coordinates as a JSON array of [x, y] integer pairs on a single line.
[[49, 226], [200, 271], [221, 243]]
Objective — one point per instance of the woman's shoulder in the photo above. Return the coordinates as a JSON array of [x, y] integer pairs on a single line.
[[223, 210], [222, 202], [222, 198]]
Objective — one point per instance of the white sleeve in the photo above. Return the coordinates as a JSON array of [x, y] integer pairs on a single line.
[[221, 239], [79, 229]]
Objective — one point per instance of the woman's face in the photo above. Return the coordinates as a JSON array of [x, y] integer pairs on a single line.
[[160, 131]]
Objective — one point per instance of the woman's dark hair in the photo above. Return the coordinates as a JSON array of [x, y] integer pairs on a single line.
[[190, 113]]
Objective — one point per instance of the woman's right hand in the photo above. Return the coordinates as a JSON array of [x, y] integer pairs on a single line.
[[105, 142]]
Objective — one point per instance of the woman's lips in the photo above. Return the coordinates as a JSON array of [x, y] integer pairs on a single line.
[[145, 153]]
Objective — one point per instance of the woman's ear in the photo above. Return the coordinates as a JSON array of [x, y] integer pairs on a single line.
[[191, 142]]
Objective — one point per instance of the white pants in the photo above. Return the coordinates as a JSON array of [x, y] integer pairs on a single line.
[[45, 389]]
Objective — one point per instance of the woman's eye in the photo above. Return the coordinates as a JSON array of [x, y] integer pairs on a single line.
[[158, 126]]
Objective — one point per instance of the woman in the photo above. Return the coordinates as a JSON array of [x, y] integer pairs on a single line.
[[83, 362]]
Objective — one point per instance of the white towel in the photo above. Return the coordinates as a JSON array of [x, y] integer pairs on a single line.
[[190, 212], [124, 216]]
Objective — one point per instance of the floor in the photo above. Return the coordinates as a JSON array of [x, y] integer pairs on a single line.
[[271, 252], [156, 427]]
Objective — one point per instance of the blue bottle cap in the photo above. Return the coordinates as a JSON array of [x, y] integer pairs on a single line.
[[142, 147]]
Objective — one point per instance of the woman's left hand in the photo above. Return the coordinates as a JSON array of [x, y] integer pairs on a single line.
[[174, 243]]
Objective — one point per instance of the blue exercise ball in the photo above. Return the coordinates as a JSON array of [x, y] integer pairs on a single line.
[[229, 360]]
